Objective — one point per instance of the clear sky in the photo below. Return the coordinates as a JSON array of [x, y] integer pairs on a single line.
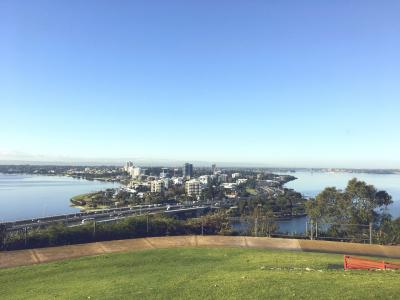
[[282, 83]]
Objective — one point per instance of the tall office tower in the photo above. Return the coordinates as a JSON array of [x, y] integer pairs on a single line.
[[187, 171], [213, 168], [135, 172], [128, 165], [164, 173]]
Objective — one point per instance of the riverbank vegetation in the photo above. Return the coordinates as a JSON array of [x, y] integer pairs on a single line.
[[94, 200], [287, 204], [132, 227]]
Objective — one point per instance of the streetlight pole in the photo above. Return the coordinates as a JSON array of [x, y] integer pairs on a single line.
[[311, 230], [306, 228], [147, 223], [370, 233], [26, 235], [257, 216]]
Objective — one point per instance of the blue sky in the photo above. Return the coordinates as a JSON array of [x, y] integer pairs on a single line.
[[280, 83]]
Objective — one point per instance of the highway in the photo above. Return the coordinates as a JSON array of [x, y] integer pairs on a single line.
[[104, 215]]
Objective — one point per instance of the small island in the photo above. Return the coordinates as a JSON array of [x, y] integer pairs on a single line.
[[94, 200]]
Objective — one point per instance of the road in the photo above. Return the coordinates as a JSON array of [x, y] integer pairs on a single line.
[[104, 215]]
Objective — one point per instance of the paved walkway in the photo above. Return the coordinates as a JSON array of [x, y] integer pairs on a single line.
[[41, 255]]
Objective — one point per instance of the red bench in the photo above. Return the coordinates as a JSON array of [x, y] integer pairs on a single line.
[[356, 263]]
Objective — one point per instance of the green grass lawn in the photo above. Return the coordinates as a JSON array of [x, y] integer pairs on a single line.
[[199, 273]]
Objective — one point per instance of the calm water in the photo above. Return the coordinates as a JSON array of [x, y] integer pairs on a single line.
[[30, 196]]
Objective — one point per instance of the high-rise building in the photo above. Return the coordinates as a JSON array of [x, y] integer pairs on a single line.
[[223, 177], [135, 172], [167, 182], [157, 186], [193, 187], [128, 165], [164, 173], [213, 168], [187, 171]]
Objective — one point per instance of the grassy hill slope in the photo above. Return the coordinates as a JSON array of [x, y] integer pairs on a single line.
[[198, 273]]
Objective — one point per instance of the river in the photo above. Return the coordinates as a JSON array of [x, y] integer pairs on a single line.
[[33, 196]]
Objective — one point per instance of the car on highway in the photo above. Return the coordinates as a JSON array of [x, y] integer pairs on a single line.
[[84, 221]]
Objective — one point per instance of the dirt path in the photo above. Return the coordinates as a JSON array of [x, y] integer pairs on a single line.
[[41, 255]]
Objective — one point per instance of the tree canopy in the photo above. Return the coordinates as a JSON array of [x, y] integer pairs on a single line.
[[359, 203]]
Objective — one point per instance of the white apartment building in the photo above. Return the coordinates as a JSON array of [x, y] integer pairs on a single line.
[[135, 172], [204, 179], [157, 186], [167, 182], [235, 175], [241, 180], [177, 180], [230, 185], [193, 187]]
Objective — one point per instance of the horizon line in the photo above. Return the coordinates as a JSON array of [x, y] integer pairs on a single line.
[[201, 164]]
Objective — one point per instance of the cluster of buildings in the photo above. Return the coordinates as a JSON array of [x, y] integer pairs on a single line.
[[135, 172], [193, 185], [228, 183]]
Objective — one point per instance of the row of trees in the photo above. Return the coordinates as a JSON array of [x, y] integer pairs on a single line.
[[290, 203], [358, 206], [133, 227]]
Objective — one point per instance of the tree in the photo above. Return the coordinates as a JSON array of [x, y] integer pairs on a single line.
[[208, 192], [389, 231], [217, 223], [3, 234], [265, 222], [329, 206], [153, 198], [365, 200], [359, 203]]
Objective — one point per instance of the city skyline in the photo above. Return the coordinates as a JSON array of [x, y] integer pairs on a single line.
[[279, 84], [22, 159]]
